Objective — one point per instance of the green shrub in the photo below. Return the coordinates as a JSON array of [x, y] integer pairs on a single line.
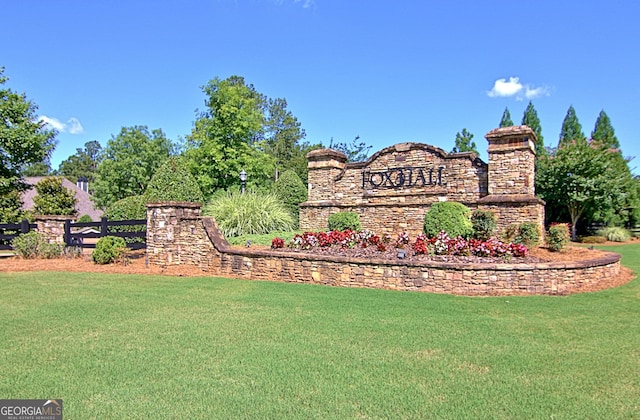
[[108, 250], [290, 189], [593, 239], [54, 199], [614, 234], [34, 245], [483, 223], [449, 216], [173, 182], [558, 236], [85, 218], [26, 245], [510, 233], [345, 220], [528, 234], [129, 208], [251, 213]]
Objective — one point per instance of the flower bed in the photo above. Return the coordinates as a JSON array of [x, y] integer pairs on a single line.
[[368, 244]]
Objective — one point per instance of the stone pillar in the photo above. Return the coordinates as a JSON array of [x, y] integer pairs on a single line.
[[325, 166], [511, 177], [172, 228], [52, 227]]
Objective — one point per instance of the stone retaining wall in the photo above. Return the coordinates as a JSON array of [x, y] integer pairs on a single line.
[[177, 235]]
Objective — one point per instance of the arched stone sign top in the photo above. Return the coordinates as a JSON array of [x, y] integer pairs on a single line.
[[392, 190]]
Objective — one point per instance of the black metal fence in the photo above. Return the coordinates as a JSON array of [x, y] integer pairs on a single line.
[[9, 231], [84, 235]]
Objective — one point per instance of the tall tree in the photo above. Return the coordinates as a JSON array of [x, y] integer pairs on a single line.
[[571, 129], [128, 162], [226, 137], [84, 163], [582, 179], [464, 142], [356, 151], [506, 121], [283, 133], [38, 169], [531, 120], [24, 140], [604, 133]]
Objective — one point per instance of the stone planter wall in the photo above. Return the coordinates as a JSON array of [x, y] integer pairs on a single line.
[[177, 235]]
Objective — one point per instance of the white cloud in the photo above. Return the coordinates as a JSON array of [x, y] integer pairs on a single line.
[[513, 87], [72, 126]]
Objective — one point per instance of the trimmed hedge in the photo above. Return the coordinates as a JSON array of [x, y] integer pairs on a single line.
[[173, 182], [290, 189], [448, 216], [344, 220], [108, 250]]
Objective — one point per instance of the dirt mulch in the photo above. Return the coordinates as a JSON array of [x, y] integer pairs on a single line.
[[135, 263]]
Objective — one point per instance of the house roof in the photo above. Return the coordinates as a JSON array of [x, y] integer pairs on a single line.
[[84, 204]]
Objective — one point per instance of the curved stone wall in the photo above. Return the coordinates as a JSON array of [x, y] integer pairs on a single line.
[[176, 235]]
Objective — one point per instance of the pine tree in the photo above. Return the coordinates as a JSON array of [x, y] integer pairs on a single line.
[[531, 120], [464, 142], [571, 129], [604, 133], [506, 119]]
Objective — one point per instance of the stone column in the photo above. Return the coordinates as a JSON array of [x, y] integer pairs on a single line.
[[175, 234], [52, 227], [511, 177], [325, 165]]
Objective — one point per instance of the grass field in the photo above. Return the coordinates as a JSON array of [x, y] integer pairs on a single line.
[[116, 346]]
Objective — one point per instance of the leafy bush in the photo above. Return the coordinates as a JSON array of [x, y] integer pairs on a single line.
[[173, 182], [129, 208], [26, 245], [85, 218], [250, 213], [528, 234], [108, 250], [558, 236], [448, 216], [345, 220], [593, 239], [614, 234], [483, 223], [133, 207], [290, 189], [54, 199], [34, 245]]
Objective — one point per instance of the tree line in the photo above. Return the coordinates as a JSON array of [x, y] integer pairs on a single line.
[[241, 129], [583, 180]]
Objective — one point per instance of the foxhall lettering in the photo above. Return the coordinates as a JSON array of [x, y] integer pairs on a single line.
[[402, 177]]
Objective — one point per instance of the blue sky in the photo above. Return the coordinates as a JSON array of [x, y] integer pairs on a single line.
[[388, 71]]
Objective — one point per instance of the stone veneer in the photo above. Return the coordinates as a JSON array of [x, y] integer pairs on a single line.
[[52, 227], [177, 235], [505, 185]]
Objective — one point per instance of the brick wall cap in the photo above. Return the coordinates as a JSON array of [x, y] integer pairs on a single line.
[[510, 198], [183, 204], [319, 154], [55, 217], [514, 131]]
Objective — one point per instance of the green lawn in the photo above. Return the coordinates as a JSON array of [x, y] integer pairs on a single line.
[[115, 346]]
